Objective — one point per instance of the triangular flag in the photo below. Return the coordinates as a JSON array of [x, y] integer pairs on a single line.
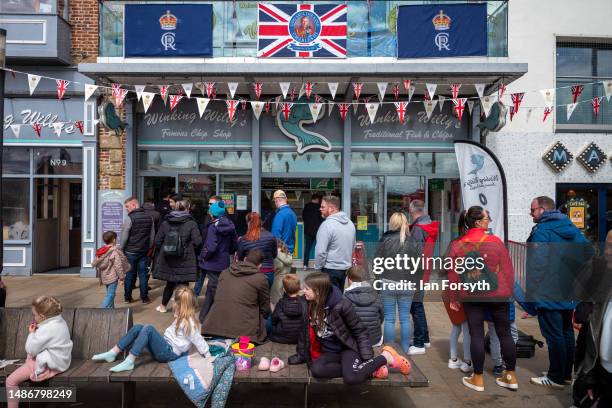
[[210, 89], [596, 104], [188, 87], [147, 99], [470, 105], [576, 91], [407, 85], [459, 107], [330, 107], [355, 106], [333, 88], [267, 106], [549, 97], [115, 89], [431, 90], [139, 89], [411, 90], [80, 126], [174, 100], [607, 89], [232, 86], [284, 86], [90, 90], [487, 102], [37, 128], [517, 98], [357, 86], [455, 90], [202, 103], [257, 108], [382, 88], [120, 96], [57, 128], [343, 108], [315, 110], [62, 85], [33, 81], [512, 112], [243, 103], [570, 109], [232, 106], [257, 88], [301, 91], [429, 107], [396, 91], [16, 128], [400, 108], [441, 100], [372, 108], [501, 90], [286, 109], [163, 92], [292, 94], [547, 112], [480, 89], [308, 88]]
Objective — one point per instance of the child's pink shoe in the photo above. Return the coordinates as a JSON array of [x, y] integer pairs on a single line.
[[264, 364], [381, 373], [276, 365]]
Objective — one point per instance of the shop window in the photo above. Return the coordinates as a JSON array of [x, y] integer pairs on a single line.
[[376, 162], [27, 6], [285, 162], [58, 161], [16, 160], [16, 208], [225, 161], [162, 160], [445, 163]]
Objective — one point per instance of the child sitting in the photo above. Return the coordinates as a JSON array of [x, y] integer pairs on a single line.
[[282, 267], [366, 302], [48, 346], [289, 313], [111, 266], [176, 341]]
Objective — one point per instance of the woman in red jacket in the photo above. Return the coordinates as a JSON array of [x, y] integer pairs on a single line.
[[482, 280]]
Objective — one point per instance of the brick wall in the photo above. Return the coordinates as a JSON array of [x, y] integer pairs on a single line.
[[84, 18], [111, 157]]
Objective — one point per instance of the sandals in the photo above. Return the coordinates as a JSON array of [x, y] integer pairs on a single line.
[[274, 366], [381, 373], [400, 362]]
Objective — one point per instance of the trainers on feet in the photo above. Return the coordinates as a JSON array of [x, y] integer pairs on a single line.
[[498, 370], [566, 382], [161, 309], [454, 364], [507, 380], [467, 367], [544, 381], [474, 382], [413, 350], [427, 345]]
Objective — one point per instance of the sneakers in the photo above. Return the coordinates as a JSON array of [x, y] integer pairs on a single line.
[[566, 382], [381, 373], [544, 381], [427, 345], [128, 301], [161, 309], [413, 350], [146, 301], [507, 380], [454, 364], [474, 382], [467, 367], [498, 370]]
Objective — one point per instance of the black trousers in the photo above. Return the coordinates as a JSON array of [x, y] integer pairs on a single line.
[[500, 311], [169, 291], [337, 277], [211, 289], [2, 297], [309, 242], [346, 364]]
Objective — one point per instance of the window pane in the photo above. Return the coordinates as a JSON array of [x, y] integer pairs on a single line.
[[16, 160], [419, 163], [27, 6], [574, 61], [160, 160], [604, 63], [111, 30], [240, 188], [197, 188], [278, 162], [377, 162], [583, 113], [225, 161], [16, 208], [446, 163], [58, 161]]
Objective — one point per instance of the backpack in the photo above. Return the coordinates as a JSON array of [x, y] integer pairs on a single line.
[[476, 274], [173, 245]]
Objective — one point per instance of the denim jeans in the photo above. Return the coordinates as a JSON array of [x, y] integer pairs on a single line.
[[138, 263], [495, 346], [109, 299], [270, 278], [140, 336], [556, 327], [200, 281], [336, 276], [397, 300], [421, 334], [309, 243]]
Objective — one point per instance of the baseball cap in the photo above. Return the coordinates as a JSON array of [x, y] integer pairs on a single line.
[[279, 194]]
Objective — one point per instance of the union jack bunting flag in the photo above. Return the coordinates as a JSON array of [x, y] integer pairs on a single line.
[[302, 30]]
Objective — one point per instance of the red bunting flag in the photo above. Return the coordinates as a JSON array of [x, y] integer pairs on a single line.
[[400, 107], [115, 89], [426, 96], [576, 91], [267, 106], [596, 103], [174, 100], [62, 85], [210, 88], [547, 112], [37, 128], [214, 93], [357, 86], [343, 108], [292, 94], [396, 91], [243, 103], [163, 91], [79, 125], [517, 98], [308, 89], [512, 112], [120, 96], [286, 109], [317, 98], [459, 107], [257, 89], [231, 108], [455, 90], [407, 83], [501, 90]]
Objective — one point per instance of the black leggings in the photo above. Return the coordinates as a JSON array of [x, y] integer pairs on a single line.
[[500, 312], [169, 291], [346, 364]]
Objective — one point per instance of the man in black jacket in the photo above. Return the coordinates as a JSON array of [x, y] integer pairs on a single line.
[[137, 236], [312, 220]]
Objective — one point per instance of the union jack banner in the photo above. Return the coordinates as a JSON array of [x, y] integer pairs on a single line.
[[455, 90], [400, 107], [517, 98], [302, 30], [174, 100], [596, 103], [62, 85], [231, 108], [37, 128], [257, 88], [576, 91]]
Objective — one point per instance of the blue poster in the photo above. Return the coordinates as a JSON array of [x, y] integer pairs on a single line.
[[168, 30], [443, 30]]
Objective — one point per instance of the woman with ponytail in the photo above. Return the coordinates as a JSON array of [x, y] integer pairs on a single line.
[[257, 237]]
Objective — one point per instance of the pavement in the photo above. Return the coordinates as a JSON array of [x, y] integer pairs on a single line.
[[445, 388]]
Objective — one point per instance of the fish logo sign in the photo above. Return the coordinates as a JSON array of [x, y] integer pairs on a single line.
[[294, 129], [478, 162]]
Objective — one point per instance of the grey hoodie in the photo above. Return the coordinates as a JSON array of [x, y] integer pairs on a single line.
[[335, 242]]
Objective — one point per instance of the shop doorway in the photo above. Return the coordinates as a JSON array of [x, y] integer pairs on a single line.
[[57, 227], [589, 207]]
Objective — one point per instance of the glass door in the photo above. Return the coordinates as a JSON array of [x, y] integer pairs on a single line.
[[198, 188], [368, 210], [400, 191], [155, 188], [238, 190]]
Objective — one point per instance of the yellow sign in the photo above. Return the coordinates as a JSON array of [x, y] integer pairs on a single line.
[[362, 222], [577, 215]]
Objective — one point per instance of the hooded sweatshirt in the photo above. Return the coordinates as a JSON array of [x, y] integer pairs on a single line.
[[368, 307], [335, 243], [221, 242], [425, 232], [51, 345]]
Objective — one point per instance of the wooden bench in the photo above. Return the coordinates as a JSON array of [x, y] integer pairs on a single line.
[[97, 330]]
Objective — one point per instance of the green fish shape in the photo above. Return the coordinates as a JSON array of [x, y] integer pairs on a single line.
[[294, 127]]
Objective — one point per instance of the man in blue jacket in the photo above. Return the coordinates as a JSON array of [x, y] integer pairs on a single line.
[[557, 252], [285, 220]]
